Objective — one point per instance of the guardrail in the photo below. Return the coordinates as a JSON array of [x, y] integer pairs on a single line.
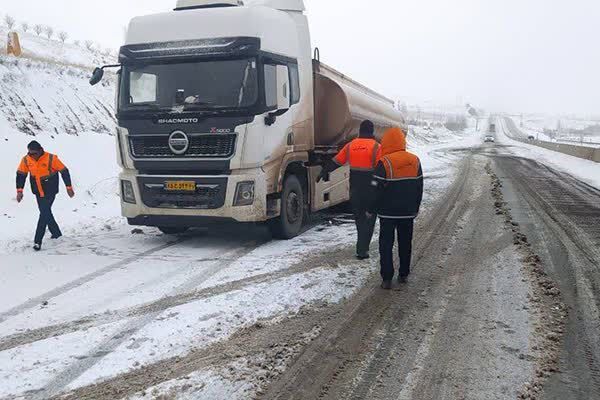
[[579, 142], [587, 153]]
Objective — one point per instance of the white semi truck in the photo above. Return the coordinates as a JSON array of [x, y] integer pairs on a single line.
[[224, 115]]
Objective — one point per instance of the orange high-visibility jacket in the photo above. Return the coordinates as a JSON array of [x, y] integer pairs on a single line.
[[43, 174], [362, 154], [398, 178]]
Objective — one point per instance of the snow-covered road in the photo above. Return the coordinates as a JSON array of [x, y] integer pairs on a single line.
[[106, 300]]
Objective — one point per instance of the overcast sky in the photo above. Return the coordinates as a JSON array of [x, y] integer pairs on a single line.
[[504, 55]]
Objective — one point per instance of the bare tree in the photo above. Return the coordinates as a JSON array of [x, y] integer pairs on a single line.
[[49, 31], [38, 29], [63, 36], [9, 21], [89, 45], [25, 26]]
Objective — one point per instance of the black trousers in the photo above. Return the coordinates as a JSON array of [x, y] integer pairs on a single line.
[[387, 232], [46, 219], [364, 225]]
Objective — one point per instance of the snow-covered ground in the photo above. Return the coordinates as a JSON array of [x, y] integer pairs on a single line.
[[584, 170], [41, 48], [40, 97], [535, 125], [55, 105], [102, 289]]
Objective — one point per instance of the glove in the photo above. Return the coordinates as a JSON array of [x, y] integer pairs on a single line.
[[323, 176]]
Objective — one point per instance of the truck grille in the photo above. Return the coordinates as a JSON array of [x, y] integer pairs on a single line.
[[210, 193], [201, 146]]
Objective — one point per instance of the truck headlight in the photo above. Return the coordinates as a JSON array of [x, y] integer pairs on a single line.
[[128, 195], [244, 194]]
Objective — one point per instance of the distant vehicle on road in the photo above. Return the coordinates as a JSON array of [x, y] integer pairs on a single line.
[[531, 137], [490, 139], [492, 128]]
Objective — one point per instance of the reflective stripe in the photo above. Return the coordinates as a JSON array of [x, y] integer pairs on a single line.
[[394, 217], [391, 171], [398, 179]]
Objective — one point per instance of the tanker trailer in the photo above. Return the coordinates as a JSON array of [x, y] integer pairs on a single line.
[[223, 117]]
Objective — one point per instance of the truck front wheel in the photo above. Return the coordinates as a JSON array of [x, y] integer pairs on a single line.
[[289, 224]]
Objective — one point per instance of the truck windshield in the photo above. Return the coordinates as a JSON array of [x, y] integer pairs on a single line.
[[190, 85]]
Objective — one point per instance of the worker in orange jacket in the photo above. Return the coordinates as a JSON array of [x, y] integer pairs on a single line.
[[43, 169], [362, 154], [398, 180]]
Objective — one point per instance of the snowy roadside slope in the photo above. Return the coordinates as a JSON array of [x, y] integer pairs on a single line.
[[39, 97], [420, 136], [41, 48], [55, 105]]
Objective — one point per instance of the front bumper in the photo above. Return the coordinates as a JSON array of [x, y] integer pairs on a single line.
[[151, 208]]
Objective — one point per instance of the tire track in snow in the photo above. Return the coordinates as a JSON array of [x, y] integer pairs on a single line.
[[164, 303], [60, 382], [315, 372], [36, 301]]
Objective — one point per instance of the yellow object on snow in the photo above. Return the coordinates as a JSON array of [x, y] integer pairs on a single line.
[[13, 45]]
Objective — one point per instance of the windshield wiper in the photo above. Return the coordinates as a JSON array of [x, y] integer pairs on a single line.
[[142, 107], [201, 106]]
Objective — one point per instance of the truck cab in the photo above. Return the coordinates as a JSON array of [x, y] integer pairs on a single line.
[[213, 98]]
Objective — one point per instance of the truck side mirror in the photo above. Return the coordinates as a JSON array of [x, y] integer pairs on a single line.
[[96, 76]]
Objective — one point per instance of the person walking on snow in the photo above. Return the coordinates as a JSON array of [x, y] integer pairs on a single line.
[[362, 154], [398, 180], [43, 169]]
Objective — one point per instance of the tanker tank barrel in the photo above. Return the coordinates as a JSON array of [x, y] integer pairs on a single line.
[[341, 104]]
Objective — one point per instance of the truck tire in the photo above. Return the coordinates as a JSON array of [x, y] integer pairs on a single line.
[[173, 230], [289, 224]]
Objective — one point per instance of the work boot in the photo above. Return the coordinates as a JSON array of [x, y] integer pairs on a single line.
[[402, 279], [37, 247], [386, 285], [365, 256]]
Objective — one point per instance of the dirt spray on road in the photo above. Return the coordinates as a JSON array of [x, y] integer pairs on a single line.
[[545, 300]]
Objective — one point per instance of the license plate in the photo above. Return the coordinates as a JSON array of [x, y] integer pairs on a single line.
[[180, 186]]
